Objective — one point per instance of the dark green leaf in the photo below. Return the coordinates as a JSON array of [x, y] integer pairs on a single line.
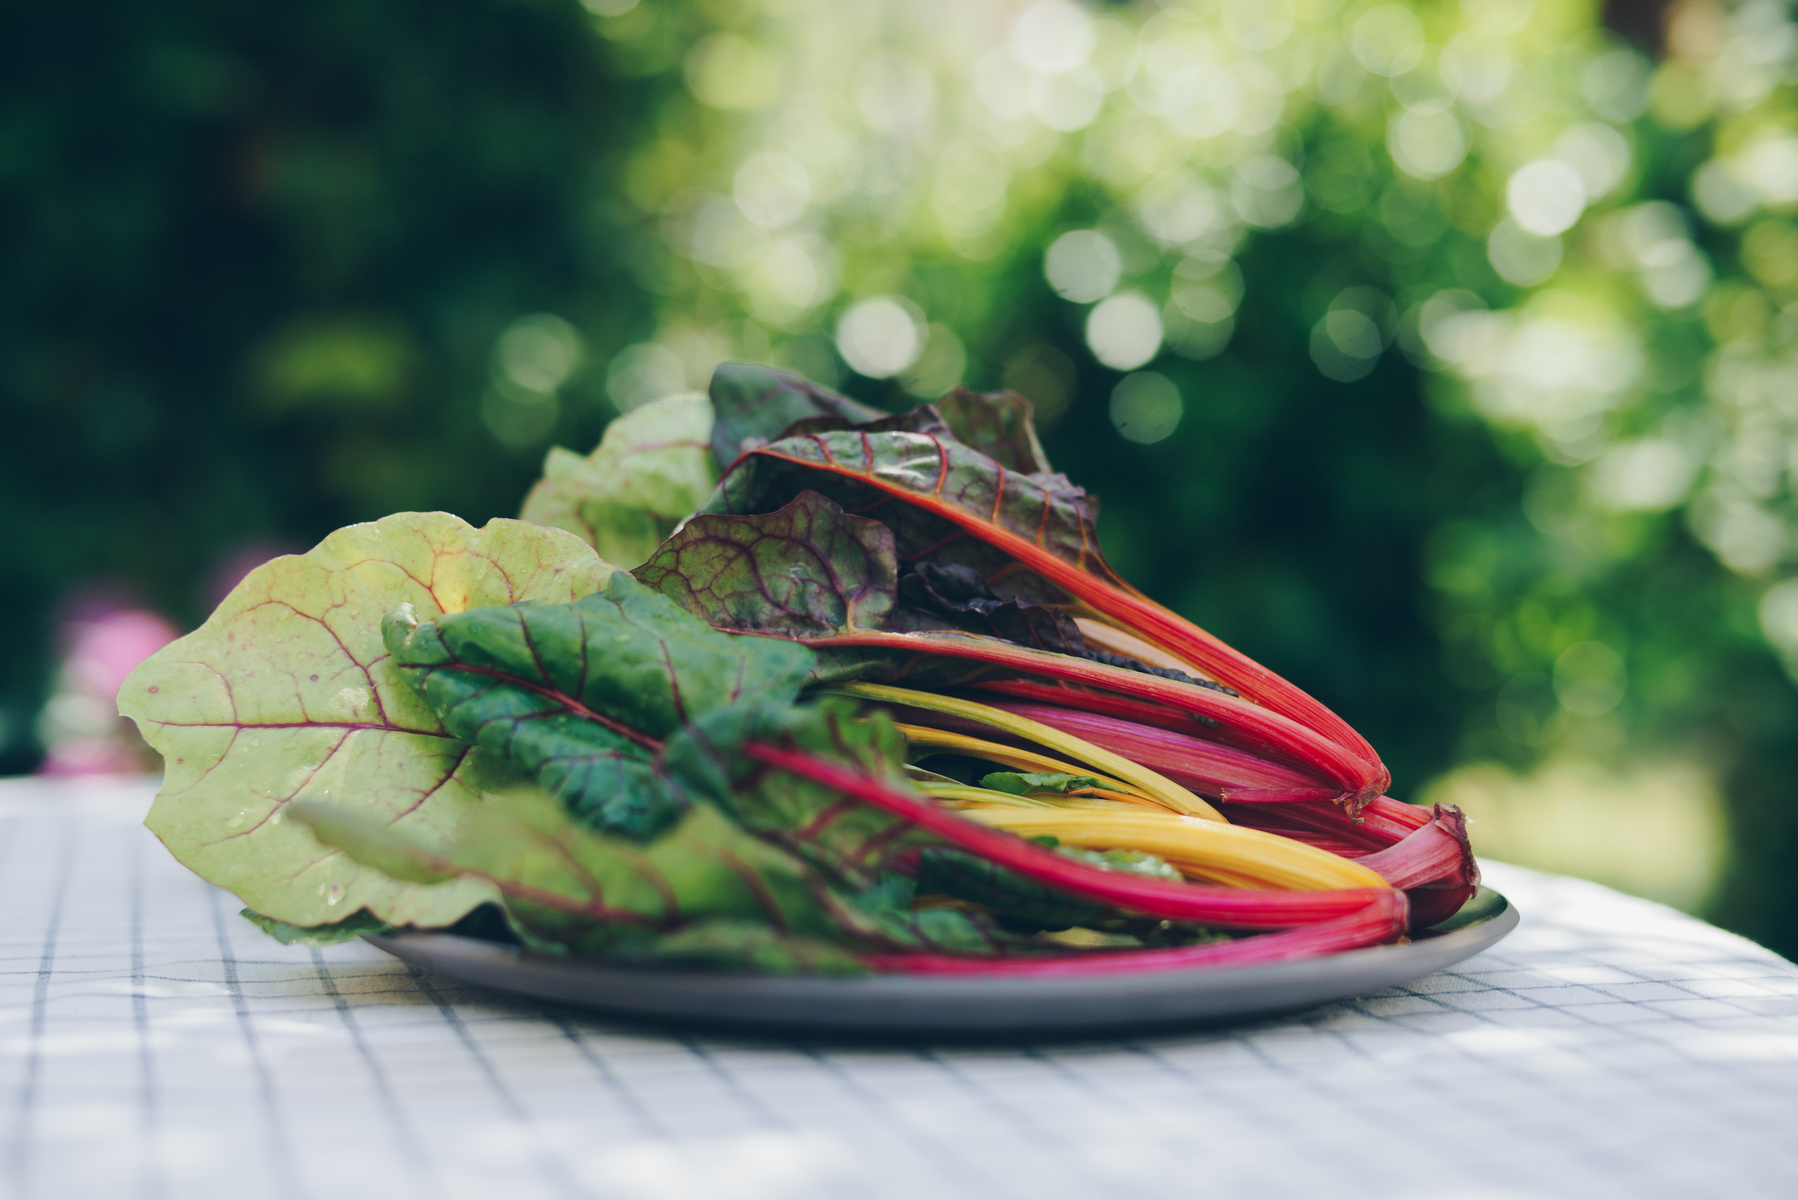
[[1022, 901], [574, 695], [754, 404], [865, 851], [855, 844]]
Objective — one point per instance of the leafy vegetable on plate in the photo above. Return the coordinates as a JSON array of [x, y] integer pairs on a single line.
[[875, 703]]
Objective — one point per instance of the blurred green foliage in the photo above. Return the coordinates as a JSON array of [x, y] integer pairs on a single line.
[[1439, 355], [255, 261]]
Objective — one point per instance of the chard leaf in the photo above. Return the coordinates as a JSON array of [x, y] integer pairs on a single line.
[[575, 695], [591, 893], [652, 468], [705, 891], [627, 654], [756, 404], [346, 930], [1134, 862], [957, 591], [1001, 425], [747, 946], [866, 853], [807, 570], [956, 506], [286, 692], [1022, 901], [1025, 783], [854, 844]]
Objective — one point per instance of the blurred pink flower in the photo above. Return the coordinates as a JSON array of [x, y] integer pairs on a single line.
[[80, 726]]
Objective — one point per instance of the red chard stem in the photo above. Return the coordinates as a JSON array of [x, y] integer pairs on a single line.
[[1231, 908]]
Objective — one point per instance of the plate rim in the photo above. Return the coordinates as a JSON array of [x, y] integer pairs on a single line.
[[1175, 995]]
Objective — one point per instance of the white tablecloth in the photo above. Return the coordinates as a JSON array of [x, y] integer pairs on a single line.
[[155, 1045]]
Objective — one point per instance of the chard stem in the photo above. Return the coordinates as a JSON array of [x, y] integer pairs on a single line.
[[1152, 783], [1267, 858], [1360, 781], [1128, 609], [1226, 908], [960, 793], [1380, 919], [1009, 756]]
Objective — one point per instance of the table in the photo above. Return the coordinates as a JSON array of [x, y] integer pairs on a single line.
[[154, 1045]]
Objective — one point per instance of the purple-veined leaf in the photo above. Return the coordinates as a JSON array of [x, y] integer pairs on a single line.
[[806, 570]]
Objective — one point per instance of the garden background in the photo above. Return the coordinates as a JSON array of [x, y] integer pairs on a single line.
[[1442, 356]]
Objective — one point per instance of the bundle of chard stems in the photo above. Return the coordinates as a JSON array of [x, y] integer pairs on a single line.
[[884, 681]]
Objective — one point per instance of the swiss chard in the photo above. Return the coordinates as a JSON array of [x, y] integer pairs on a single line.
[[418, 721]]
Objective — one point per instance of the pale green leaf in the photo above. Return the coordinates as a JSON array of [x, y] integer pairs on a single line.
[[287, 692], [652, 469]]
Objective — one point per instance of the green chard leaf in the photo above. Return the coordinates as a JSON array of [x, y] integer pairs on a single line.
[[756, 404], [346, 930], [287, 693], [697, 890], [868, 855], [853, 843], [1025, 783], [651, 470], [595, 894], [575, 696]]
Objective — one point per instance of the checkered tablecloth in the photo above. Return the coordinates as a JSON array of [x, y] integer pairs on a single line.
[[154, 1045]]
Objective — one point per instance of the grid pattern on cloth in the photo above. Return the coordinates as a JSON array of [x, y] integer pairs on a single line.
[[153, 1045]]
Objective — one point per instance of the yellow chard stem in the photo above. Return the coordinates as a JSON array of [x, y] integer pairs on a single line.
[[961, 793], [1235, 854], [1008, 756], [1150, 783]]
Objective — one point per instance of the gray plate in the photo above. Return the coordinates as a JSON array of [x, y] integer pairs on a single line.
[[897, 1005]]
